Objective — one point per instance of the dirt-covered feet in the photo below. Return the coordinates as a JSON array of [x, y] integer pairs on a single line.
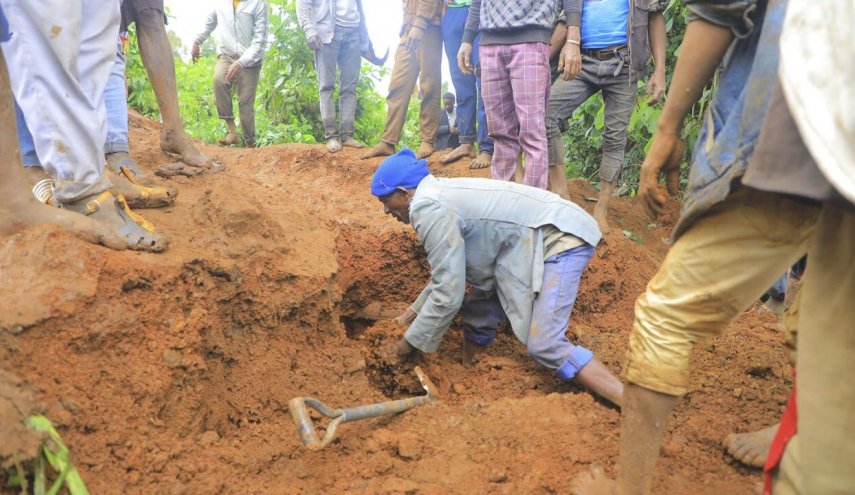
[[593, 482], [113, 213], [352, 143], [425, 150], [333, 145], [602, 209], [229, 140], [382, 149], [462, 151], [138, 195], [481, 161], [752, 448], [179, 143]]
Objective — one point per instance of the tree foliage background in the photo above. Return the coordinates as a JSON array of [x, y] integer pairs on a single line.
[[287, 103]]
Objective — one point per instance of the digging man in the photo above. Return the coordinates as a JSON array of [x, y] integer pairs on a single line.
[[521, 249]]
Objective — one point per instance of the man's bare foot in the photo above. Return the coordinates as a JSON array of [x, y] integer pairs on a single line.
[[462, 151], [121, 163], [425, 150], [602, 209], [752, 448], [483, 160], [382, 149], [179, 143], [229, 140], [472, 352], [558, 182], [598, 379], [352, 143], [593, 482], [333, 145], [139, 196]]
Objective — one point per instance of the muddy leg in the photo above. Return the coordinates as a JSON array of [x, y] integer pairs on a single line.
[[602, 209], [156, 55]]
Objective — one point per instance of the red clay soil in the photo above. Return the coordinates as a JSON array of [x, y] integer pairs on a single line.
[[171, 373]]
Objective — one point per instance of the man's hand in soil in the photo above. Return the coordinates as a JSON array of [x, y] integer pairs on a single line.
[[400, 351], [405, 318], [414, 38], [664, 157], [234, 70]]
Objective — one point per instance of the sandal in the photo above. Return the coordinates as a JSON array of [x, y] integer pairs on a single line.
[[128, 167], [149, 196], [138, 232]]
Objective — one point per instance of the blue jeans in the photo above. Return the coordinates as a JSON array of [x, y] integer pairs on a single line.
[[547, 340], [470, 106], [116, 101], [25, 140]]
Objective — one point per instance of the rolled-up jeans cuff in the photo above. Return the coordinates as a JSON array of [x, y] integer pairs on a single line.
[[482, 340], [116, 147], [579, 357], [610, 170], [466, 139]]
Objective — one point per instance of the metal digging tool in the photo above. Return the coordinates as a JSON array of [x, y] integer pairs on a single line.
[[306, 429]]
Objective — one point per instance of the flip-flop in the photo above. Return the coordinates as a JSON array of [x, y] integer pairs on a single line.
[[128, 167], [138, 232], [150, 196]]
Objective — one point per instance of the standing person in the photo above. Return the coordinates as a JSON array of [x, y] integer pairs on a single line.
[[19, 209], [608, 53], [156, 55], [448, 134], [514, 55], [734, 242], [418, 57], [62, 100], [522, 251], [470, 105], [242, 40], [336, 31]]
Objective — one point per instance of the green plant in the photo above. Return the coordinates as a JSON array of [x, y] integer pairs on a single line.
[[53, 453]]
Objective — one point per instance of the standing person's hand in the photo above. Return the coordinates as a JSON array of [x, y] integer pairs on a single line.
[[655, 87], [464, 58], [570, 60], [665, 155], [414, 38], [195, 51], [234, 70], [453, 129], [314, 42]]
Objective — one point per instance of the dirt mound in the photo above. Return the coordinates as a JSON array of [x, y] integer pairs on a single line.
[[172, 373]]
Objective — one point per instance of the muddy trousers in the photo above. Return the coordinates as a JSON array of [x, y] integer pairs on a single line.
[[59, 61], [422, 65], [547, 340], [246, 84]]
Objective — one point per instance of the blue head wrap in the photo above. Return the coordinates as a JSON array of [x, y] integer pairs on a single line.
[[399, 170]]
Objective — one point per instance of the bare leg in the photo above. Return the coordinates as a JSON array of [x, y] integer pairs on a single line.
[[752, 448], [598, 379], [156, 55], [602, 209], [462, 151], [557, 181], [482, 161], [18, 208], [382, 149]]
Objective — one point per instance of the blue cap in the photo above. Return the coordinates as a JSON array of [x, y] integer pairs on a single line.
[[399, 170]]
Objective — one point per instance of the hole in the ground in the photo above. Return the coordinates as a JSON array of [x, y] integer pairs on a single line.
[[355, 326]]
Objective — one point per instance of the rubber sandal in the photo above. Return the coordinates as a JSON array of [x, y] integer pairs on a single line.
[[150, 196], [139, 233]]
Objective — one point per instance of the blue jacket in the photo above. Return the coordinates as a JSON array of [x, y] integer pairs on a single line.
[[486, 233]]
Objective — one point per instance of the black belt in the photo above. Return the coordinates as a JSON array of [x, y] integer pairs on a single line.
[[605, 53]]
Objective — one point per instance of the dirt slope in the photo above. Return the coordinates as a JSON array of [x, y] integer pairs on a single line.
[[171, 373]]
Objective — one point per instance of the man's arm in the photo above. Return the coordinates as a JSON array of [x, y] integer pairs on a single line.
[[704, 45], [473, 22], [305, 17], [210, 25], [656, 34], [556, 43], [255, 52], [442, 237], [570, 58]]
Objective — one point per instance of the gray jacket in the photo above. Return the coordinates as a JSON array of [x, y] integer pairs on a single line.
[[317, 17], [486, 233], [243, 31]]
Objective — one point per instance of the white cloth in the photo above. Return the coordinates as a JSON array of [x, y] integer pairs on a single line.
[[243, 30], [452, 118], [818, 77], [346, 13], [60, 57]]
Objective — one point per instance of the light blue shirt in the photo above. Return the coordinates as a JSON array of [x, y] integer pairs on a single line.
[[487, 233], [604, 23]]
